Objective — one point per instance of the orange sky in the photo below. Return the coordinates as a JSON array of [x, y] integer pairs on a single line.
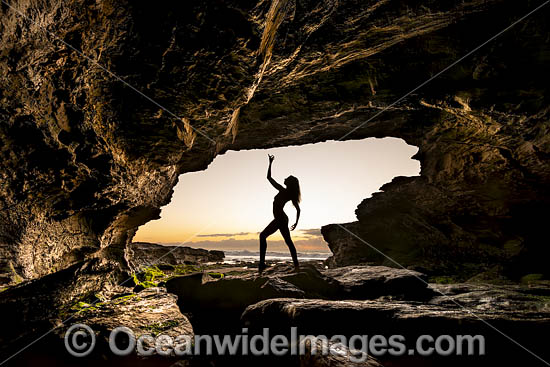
[[227, 205]]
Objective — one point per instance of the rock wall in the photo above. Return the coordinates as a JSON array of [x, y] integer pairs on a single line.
[[86, 159]]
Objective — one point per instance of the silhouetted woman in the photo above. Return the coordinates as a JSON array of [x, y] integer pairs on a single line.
[[289, 193]]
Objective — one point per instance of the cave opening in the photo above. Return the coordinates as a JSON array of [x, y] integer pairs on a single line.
[[225, 206]]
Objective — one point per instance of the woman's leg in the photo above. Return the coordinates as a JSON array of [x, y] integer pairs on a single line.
[[286, 235], [269, 230]]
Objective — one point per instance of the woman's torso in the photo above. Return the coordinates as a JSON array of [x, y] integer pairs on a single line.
[[279, 202]]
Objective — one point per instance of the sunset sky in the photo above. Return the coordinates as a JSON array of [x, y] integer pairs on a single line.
[[225, 206]]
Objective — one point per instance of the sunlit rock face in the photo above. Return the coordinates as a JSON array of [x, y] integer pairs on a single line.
[[86, 159]]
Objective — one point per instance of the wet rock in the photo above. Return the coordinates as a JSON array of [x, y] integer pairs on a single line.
[[142, 254]]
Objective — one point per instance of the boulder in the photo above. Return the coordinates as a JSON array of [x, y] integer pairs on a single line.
[[212, 301]]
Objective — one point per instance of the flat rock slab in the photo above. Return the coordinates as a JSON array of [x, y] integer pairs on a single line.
[[464, 302], [372, 312], [499, 313], [367, 282]]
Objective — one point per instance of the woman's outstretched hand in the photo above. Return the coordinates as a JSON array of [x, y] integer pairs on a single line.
[[271, 158], [293, 227]]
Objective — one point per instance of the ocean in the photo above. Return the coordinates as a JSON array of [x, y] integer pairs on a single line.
[[232, 257]]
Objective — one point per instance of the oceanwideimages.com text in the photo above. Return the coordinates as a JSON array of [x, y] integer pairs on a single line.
[[80, 341]]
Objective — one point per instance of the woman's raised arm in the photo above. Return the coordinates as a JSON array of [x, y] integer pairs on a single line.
[[269, 178]]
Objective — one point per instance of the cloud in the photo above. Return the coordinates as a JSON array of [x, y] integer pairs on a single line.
[[224, 234], [314, 232]]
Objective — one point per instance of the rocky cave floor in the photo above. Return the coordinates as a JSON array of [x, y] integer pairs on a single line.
[[217, 298]]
